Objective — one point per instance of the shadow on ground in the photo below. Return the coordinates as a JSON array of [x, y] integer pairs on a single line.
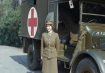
[[21, 59]]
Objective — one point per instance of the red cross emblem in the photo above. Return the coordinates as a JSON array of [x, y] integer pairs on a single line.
[[32, 22]]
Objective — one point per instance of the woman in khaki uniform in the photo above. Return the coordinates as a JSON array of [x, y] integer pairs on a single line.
[[49, 47]]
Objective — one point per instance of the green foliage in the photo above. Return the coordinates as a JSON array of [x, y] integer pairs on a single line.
[[9, 26]]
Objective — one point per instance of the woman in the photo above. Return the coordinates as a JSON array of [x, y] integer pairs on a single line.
[[49, 48]]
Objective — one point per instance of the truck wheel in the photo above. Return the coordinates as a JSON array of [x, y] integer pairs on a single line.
[[86, 66], [25, 45], [29, 56], [32, 58]]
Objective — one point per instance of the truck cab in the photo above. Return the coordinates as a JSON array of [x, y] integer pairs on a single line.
[[81, 31]]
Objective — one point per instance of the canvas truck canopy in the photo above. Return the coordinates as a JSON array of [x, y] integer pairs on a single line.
[[41, 7]]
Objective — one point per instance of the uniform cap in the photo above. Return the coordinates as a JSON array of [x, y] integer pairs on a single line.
[[49, 23]]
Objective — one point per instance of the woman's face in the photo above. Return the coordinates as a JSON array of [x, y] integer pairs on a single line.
[[49, 28]]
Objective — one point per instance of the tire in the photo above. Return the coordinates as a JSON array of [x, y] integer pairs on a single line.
[[25, 45], [61, 65], [33, 58], [29, 55], [86, 66]]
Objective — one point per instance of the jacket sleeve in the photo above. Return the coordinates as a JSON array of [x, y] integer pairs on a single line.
[[57, 43], [42, 46]]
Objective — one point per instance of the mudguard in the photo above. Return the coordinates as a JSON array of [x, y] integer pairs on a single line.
[[97, 55]]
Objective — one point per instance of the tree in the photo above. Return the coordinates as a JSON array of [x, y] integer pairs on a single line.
[[9, 24]]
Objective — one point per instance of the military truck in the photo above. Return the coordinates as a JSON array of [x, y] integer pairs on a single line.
[[81, 28]]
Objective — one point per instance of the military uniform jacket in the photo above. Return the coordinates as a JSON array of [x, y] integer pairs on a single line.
[[49, 45]]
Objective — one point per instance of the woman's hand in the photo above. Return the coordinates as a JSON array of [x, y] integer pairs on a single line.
[[41, 57], [41, 60]]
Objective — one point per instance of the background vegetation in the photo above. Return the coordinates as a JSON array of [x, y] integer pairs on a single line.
[[10, 23]]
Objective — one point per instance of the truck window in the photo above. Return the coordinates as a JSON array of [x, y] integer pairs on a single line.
[[93, 12]]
